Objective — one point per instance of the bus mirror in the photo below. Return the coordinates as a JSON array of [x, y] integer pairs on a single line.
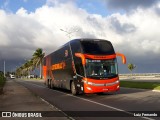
[[80, 55], [122, 56]]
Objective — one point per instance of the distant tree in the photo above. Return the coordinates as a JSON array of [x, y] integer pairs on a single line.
[[31, 64], [131, 67], [7, 74], [38, 56], [21, 71], [28, 66]]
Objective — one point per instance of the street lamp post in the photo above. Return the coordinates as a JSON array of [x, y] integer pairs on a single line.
[[4, 69], [69, 33]]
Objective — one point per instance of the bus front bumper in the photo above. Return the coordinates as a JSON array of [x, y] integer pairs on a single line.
[[97, 88]]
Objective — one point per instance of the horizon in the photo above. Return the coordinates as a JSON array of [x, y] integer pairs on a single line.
[[131, 26]]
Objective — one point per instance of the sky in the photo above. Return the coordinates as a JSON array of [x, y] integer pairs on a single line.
[[131, 25]]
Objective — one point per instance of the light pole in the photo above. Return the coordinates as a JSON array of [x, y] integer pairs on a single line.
[[4, 69], [69, 33]]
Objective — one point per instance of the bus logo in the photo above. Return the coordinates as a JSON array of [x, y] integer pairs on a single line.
[[58, 66]]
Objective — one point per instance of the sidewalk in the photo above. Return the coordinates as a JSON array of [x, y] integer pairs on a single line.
[[18, 98]]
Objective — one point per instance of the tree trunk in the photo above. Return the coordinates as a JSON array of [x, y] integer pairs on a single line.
[[131, 74]]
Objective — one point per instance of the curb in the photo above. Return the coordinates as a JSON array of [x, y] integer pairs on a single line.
[[156, 90], [141, 89]]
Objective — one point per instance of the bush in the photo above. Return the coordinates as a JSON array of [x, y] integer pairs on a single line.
[[2, 81]]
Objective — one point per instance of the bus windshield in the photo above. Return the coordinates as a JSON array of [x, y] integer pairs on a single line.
[[101, 69]]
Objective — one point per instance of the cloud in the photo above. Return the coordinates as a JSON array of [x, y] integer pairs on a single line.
[[136, 34], [129, 4], [122, 28], [157, 9], [58, 2]]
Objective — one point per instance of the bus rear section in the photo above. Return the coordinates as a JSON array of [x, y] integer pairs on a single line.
[[91, 67]]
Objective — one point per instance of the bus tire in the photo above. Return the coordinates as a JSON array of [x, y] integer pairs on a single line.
[[73, 89], [47, 83], [50, 82], [52, 86]]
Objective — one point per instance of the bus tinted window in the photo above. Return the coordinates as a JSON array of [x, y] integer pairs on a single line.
[[75, 46], [101, 68], [79, 68], [97, 47]]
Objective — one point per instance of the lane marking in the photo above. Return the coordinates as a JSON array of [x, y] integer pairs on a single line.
[[56, 108], [101, 104]]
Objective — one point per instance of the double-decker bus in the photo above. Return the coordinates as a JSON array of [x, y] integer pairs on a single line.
[[83, 66]]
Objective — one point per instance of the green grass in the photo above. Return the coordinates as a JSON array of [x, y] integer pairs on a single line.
[[141, 85]]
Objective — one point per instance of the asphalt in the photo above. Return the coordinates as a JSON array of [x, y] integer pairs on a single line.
[[16, 97], [126, 100], [24, 94]]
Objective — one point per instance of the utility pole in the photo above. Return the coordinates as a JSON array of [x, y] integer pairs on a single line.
[[4, 69]]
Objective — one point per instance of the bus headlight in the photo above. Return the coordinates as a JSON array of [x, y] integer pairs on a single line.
[[84, 81], [90, 83], [89, 88]]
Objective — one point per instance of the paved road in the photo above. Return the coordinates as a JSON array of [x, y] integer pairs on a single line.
[[142, 80], [126, 101], [17, 99]]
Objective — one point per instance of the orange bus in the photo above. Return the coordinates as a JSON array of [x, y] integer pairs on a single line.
[[83, 66]]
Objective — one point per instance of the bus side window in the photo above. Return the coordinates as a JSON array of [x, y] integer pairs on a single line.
[[76, 48], [79, 68]]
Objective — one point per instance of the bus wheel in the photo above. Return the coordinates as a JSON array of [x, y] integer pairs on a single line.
[[52, 86], [47, 83], [73, 89]]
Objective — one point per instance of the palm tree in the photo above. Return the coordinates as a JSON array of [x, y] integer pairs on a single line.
[[131, 67], [22, 68], [38, 56], [18, 71], [29, 66]]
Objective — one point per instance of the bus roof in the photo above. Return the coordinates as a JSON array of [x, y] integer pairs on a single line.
[[95, 46]]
